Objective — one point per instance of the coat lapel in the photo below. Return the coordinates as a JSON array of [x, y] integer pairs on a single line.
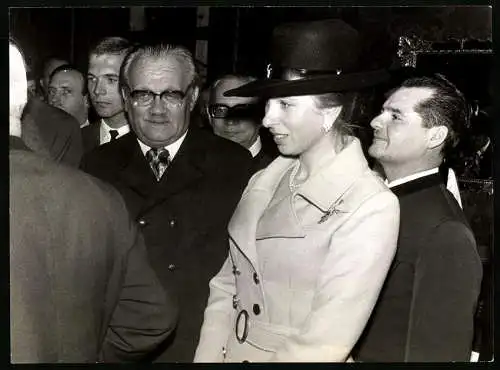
[[325, 190], [90, 136], [243, 225], [135, 171], [185, 170]]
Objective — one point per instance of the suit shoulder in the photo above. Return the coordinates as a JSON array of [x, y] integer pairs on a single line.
[[371, 184], [106, 151], [224, 149], [61, 179]]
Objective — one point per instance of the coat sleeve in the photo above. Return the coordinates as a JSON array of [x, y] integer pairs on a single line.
[[349, 282], [144, 314], [446, 288], [218, 320]]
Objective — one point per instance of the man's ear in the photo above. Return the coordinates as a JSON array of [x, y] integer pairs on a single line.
[[195, 92], [124, 99], [207, 114], [436, 136]]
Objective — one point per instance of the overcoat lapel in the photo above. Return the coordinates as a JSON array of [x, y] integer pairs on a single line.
[[327, 190], [185, 170], [243, 225], [135, 171]]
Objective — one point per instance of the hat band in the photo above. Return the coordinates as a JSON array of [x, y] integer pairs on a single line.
[[283, 73]]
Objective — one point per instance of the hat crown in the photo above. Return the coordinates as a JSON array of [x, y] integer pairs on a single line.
[[325, 45]]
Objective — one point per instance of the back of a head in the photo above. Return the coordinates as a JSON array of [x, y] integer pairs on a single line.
[[18, 87]]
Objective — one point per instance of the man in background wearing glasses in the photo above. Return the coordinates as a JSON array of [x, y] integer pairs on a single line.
[[239, 119], [180, 183]]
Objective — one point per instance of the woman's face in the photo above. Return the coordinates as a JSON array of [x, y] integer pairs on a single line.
[[296, 123]]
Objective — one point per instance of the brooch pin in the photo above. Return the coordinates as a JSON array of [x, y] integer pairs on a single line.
[[331, 211]]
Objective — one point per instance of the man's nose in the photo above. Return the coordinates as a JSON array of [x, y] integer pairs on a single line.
[[99, 88], [377, 122], [55, 99], [158, 106], [231, 121]]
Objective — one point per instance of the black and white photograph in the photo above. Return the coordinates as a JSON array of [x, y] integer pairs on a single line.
[[251, 184]]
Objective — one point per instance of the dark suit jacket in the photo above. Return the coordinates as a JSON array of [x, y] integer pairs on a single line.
[[52, 132], [81, 289], [261, 160], [90, 136], [426, 309], [184, 216], [268, 152]]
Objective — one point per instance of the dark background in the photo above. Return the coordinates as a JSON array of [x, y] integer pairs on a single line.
[[237, 36]]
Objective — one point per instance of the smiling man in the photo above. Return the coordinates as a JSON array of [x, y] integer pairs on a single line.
[[105, 60], [426, 309], [180, 183]]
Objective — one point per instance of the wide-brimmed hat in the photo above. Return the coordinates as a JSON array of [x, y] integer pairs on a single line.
[[326, 53]]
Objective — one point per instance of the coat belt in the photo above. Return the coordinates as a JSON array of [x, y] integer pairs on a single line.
[[262, 335]]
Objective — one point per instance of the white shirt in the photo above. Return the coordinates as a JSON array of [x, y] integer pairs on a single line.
[[104, 135], [255, 147], [452, 184], [85, 124], [172, 148]]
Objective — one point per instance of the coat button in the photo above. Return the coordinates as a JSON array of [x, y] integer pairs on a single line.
[[255, 278], [172, 223], [256, 309], [245, 361], [142, 222], [171, 267], [236, 271]]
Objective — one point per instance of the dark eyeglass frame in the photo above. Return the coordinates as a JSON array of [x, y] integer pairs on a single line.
[[252, 110], [171, 97]]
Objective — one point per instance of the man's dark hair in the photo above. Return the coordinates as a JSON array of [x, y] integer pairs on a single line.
[[111, 45], [446, 107], [70, 67]]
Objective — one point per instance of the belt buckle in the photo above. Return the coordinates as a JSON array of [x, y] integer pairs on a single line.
[[242, 339]]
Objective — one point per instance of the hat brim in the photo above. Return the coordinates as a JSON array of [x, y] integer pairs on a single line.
[[275, 88]]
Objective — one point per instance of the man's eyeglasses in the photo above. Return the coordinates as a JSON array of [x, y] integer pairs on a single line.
[[171, 97], [241, 111]]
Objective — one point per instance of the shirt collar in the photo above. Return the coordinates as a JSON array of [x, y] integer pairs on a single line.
[[172, 148], [105, 128], [85, 124], [255, 147], [411, 177]]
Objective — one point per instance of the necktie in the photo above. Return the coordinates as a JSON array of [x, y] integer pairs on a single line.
[[114, 134], [159, 159]]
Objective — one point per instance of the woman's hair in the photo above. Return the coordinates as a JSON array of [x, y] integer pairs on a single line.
[[355, 106], [354, 115]]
